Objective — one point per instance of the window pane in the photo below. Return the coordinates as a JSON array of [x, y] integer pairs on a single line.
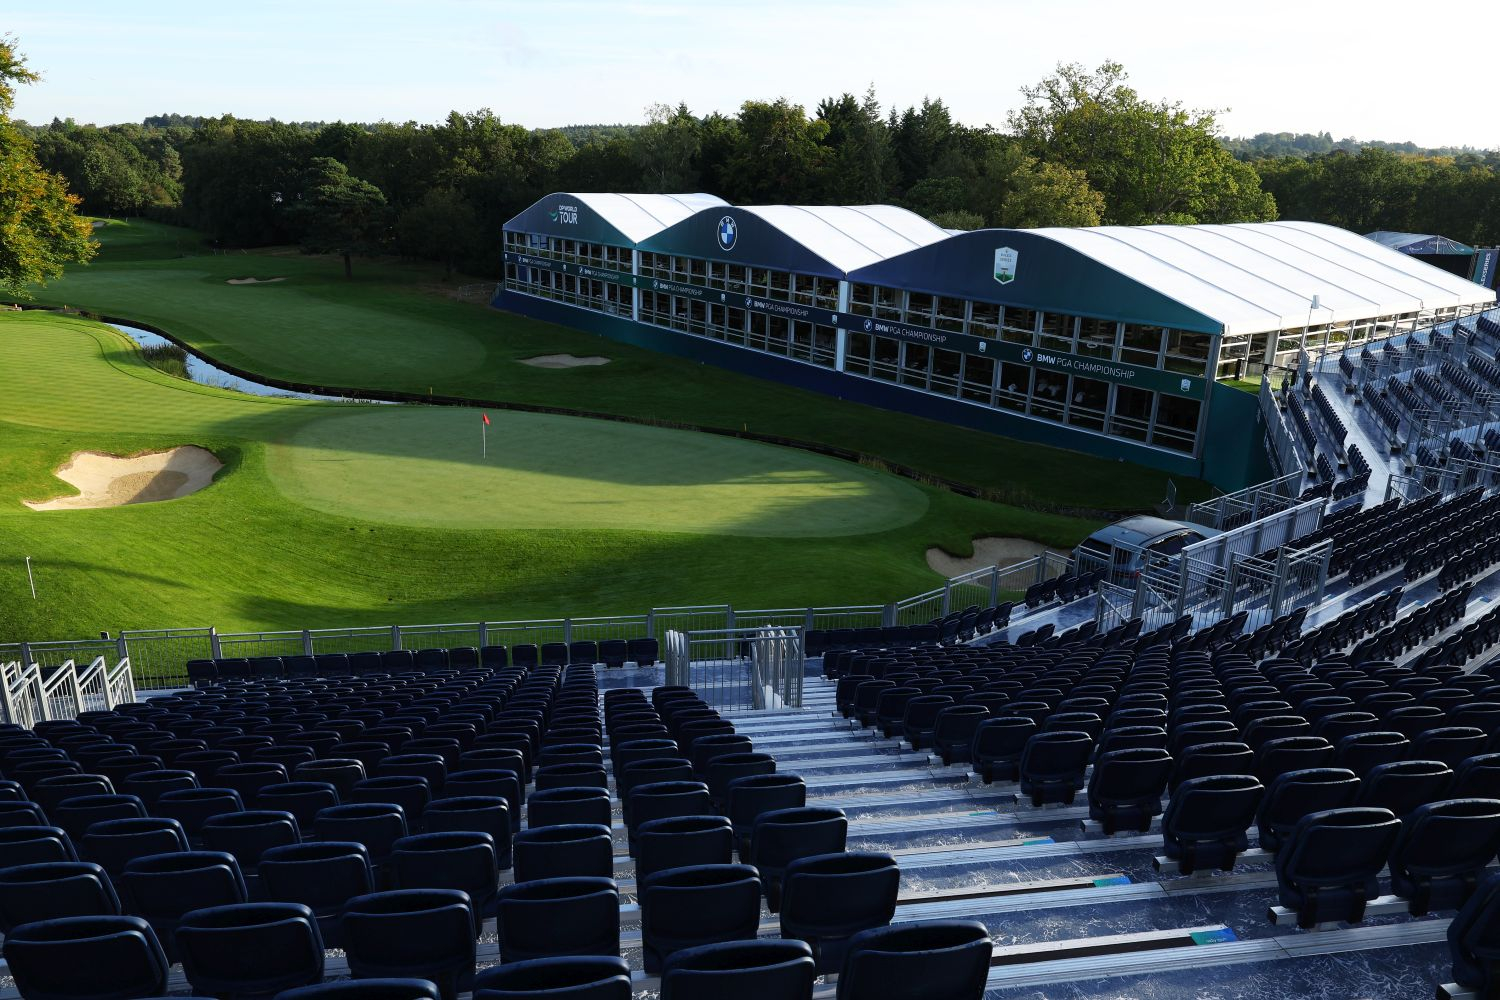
[[1096, 337], [1187, 352], [1090, 398], [979, 376]]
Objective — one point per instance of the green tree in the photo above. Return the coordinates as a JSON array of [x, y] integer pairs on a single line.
[[959, 220], [1050, 194], [666, 149], [40, 230], [778, 157], [342, 214], [441, 226], [1153, 162], [861, 169]]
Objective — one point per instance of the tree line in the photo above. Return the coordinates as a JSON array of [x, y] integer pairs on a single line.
[[1083, 148]]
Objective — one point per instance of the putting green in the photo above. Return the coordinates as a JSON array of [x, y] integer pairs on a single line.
[[421, 466]]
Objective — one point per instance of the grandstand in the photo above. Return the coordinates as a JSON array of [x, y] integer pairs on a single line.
[[1266, 763]]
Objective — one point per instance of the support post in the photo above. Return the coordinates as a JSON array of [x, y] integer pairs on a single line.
[[307, 645], [395, 637], [214, 649]]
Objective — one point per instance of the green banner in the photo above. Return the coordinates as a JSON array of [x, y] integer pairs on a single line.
[[1141, 376]]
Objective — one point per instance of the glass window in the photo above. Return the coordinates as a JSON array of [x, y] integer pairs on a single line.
[[914, 365], [1014, 387], [1057, 333], [757, 336], [950, 314], [945, 366], [1088, 402], [979, 378], [802, 289], [1096, 338], [1176, 423], [734, 278], [1187, 352], [1141, 344], [1019, 325], [919, 308], [825, 346], [857, 353], [781, 285], [888, 303], [984, 319], [887, 354], [862, 300], [1049, 395], [1132, 415], [826, 292]]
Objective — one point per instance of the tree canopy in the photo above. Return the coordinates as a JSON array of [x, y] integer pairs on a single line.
[[40, 229]]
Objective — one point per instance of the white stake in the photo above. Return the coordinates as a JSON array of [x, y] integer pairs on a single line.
[[30, 579]]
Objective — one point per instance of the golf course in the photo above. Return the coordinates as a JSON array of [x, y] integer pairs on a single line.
[[333, 513]]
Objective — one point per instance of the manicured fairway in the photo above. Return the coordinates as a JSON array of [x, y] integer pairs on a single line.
[[392, 327], [423, 466], [286, 539]]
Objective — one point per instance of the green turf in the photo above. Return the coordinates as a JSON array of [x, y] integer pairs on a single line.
[[392, 327], [241, 554], [424, 466]]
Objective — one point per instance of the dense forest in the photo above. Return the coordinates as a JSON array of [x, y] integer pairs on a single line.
[[1083, 148]]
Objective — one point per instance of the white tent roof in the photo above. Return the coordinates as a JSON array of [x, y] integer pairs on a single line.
[[640, 216], [851, 236], [1258, 277]]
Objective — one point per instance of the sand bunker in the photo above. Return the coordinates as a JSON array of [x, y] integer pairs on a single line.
[[253, 281], [564, 361], [987, 552], [111, 481]]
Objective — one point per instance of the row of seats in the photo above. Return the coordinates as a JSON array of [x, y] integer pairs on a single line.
[[1065, 588], [412, 904], [612, 653]]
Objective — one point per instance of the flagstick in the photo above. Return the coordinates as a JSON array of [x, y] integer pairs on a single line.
[[484, 440]]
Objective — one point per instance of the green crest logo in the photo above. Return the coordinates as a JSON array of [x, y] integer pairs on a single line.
[[1005, 265]]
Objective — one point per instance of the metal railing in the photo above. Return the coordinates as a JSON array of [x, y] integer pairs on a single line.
[[1252, 502], [985, 587], [749, 669], [34, 694]]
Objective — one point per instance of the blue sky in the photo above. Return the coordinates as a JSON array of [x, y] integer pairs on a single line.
[[1313, 65]]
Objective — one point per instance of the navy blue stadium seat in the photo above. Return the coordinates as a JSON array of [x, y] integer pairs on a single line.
[[785, 835], [193, 807], [1126, 787], [53, 889], [563, 851], [1205, 822], [377, 825], [425, 933], [51, 792], [29, 845], [828, 898], [250, 949], [247, 835], [454, 859], [727, 767], [1363, 752], [1297, 793], [86, 958], [696, 905], [998, 745], [322, 875], [410, 792], [1052, 765], [562, 916], [924, 960], [679, 841], [740, 970], [164, 887], [1443, 846], [553, 806], [303, 799], [475, 813], [663, 799], [582, 977], [1328, 868], [1474, 940], [365, 989], [116, 842], [953, 731], [1475, 778], [1403, 785], [1203, 760], [76, 815]]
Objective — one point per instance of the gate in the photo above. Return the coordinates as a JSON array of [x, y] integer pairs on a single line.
[[745, 669]]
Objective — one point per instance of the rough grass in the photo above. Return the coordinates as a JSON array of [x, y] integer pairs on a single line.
[[241, 555]]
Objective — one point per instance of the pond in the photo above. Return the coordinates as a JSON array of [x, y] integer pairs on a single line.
[[206, 373]]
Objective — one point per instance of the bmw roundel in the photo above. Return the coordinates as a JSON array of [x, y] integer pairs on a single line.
[[729, 231], [1026, 355], [869, 325]]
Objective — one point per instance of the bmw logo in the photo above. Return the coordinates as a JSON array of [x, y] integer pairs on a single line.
[[1026, 355], [869, 325], [729, 231]]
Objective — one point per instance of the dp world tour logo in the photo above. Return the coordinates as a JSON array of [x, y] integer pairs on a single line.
[[728, 233], [1005, 265], [1026, 355]]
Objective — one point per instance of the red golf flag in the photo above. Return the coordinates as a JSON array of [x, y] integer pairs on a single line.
[[486, 418]]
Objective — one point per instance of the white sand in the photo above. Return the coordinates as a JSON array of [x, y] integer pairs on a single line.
[[987, 552], [110, 481], [253, 281], [564, 361]]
